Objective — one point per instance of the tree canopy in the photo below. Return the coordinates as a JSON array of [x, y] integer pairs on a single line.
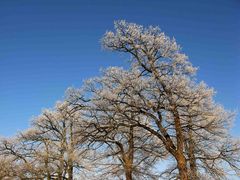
[[126, 122]]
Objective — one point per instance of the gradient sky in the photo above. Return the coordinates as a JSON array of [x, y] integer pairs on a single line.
[[47, 46]]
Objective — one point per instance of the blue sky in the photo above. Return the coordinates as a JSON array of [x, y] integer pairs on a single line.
[[47, 46]]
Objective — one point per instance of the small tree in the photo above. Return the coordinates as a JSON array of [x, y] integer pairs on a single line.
[[61, 134], [52, 148]]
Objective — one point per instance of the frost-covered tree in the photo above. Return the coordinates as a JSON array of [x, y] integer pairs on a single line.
[[127, 149], [121, 124], [182, 113], [59, 130], [17, 161], [53, 148]]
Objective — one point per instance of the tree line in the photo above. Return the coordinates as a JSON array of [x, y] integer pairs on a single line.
[[126, 123]]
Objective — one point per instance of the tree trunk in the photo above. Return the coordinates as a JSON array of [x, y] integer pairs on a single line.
[[191, 155], [70, 172], [46, 161], [182, 167], [48, 176], [128, 173], [181, 160], [70, 153], [128, 157], [192, 162]]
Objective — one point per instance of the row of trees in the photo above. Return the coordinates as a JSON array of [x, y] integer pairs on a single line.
[[125, 123]]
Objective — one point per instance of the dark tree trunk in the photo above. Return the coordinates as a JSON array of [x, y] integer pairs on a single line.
[[128, 174], [70, 172], [191, 155]]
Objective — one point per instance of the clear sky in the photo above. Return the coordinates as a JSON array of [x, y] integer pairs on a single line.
[[49, 45]]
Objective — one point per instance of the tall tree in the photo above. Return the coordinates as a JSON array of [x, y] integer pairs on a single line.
[[170, 98]]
